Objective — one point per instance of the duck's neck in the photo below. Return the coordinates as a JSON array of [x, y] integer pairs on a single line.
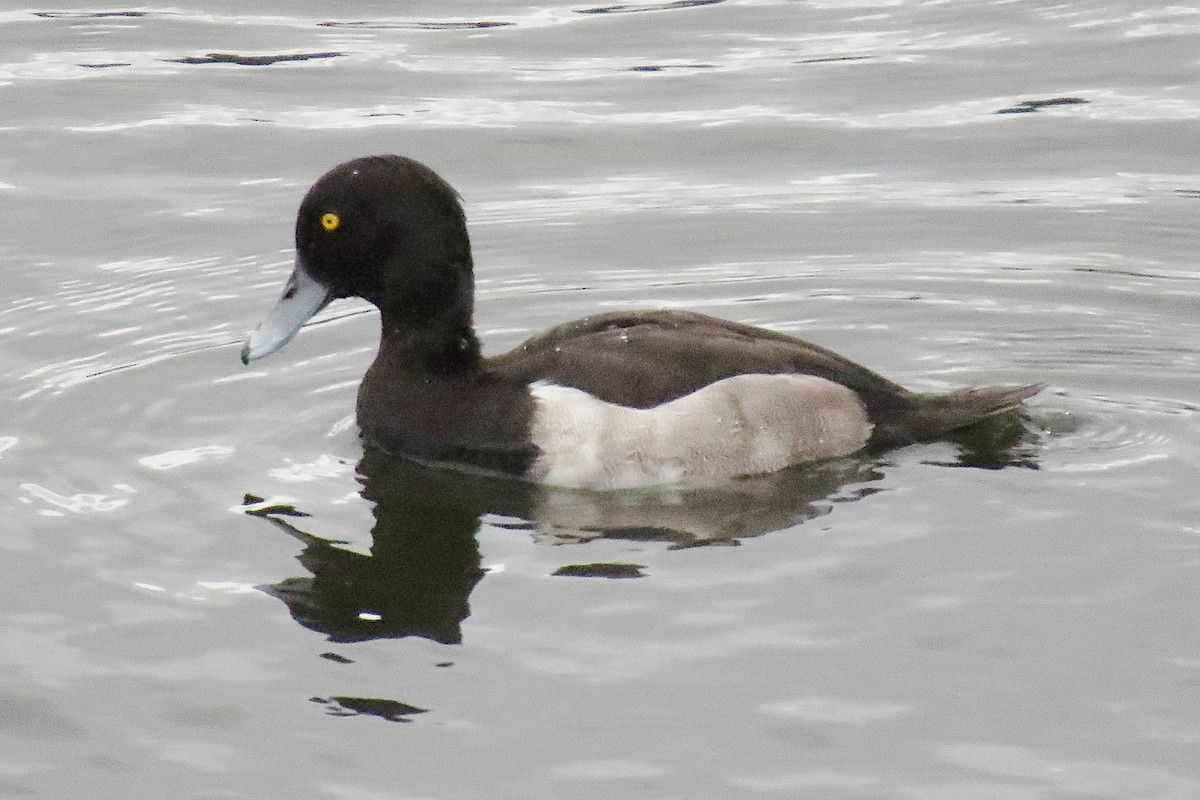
[[444, 347]]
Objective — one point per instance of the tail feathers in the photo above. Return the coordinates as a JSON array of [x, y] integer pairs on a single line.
[[934, 415]]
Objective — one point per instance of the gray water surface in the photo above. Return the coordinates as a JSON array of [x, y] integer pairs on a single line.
[[927, 624]]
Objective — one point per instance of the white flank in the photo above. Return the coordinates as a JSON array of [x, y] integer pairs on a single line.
[[744, 425]]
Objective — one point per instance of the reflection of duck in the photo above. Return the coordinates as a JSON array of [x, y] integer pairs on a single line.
[[424, 560], [615, 400], [423, 564], [553, 515]]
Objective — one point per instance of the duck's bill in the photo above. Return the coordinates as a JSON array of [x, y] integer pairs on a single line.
[[302, 298]]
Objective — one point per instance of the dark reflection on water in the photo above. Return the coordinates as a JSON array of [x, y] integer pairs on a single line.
[[391, 710], [423, 564], [1028, 106], [601, 570], [251, 61], [1006, 441], [425, 561], [414, 25], [87, 14], [624, 9]]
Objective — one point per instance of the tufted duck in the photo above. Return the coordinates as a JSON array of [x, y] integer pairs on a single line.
[[614, 400]]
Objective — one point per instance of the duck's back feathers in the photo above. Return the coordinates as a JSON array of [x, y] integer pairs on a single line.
[[642, 359]]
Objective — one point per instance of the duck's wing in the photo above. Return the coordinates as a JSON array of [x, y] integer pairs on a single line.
[[642, 359]]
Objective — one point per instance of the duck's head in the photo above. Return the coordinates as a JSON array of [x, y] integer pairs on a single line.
[[384, 228]]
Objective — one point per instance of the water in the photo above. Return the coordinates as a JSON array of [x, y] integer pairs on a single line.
[[880, 628]]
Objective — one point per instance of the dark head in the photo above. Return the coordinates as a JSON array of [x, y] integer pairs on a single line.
[[389, 230]]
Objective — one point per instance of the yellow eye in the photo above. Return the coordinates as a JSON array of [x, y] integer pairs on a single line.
[[330, 222]]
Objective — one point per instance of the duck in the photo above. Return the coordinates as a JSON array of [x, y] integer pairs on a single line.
[[615, 400]]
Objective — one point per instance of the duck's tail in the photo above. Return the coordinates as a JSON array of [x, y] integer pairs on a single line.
[[930, 416]]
